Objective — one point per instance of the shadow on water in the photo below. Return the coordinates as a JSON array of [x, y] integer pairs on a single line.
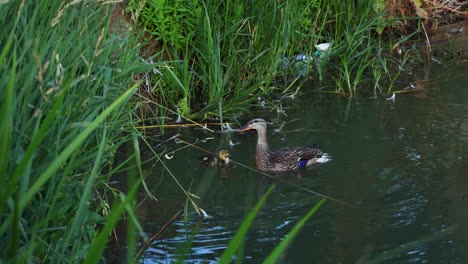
[[404, 162]]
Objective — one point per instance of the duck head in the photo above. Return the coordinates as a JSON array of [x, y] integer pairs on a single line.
[[224, 155], [254, 124]]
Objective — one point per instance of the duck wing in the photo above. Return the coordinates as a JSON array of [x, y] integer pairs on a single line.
[[310, 153], [296, 153], [294, 157], [208, 160]]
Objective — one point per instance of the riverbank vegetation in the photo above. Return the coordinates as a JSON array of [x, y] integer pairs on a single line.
[[66, 86], [221, 57], [72, 90]]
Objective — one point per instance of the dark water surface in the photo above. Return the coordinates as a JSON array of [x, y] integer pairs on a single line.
[[403, 162]]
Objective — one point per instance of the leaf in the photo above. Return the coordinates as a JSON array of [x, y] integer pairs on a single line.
[[421, 12], [378, 6]]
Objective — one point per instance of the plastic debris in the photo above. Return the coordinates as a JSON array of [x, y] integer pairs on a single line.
[[298, 63]]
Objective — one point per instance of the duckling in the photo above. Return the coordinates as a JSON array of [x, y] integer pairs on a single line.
[[221, 161]]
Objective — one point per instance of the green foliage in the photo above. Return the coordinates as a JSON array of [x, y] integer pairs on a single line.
[[379, 7], [231, 58], [355, 31], [172, 22], [183, 107], [234, 51], [64, 101]]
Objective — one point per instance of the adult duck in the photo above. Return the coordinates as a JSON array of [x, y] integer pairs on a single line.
[[281, 159]]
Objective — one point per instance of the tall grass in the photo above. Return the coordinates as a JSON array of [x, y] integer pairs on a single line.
[[65, 88], [361, 35], [231, 57]]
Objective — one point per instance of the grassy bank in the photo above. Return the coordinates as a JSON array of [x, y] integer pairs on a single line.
[[220, 57], [65, 84]]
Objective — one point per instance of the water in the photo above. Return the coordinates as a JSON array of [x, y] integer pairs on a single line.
[[403, 162]]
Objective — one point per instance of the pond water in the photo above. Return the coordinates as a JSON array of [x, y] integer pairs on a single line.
[[402, 162]]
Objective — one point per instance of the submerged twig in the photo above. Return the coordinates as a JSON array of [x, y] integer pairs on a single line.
[[148, 242], [181, 125], [427, 38], [297, 186], [193, 145], [166, 141]]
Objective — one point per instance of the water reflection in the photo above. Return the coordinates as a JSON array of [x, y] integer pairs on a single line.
[[196, 241]]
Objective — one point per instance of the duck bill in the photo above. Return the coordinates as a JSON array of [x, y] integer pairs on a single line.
[[244, 128]]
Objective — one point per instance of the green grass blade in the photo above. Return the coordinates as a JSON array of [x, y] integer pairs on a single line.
[[136, 145], [68, 151], [25, 161], [276, 253], [6, 112], [238, 239], [83, 204], [14, 232], [6, 50], [98, 244], [74, 145]]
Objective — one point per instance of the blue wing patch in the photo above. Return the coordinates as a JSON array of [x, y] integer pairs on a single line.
[[302, 163]]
